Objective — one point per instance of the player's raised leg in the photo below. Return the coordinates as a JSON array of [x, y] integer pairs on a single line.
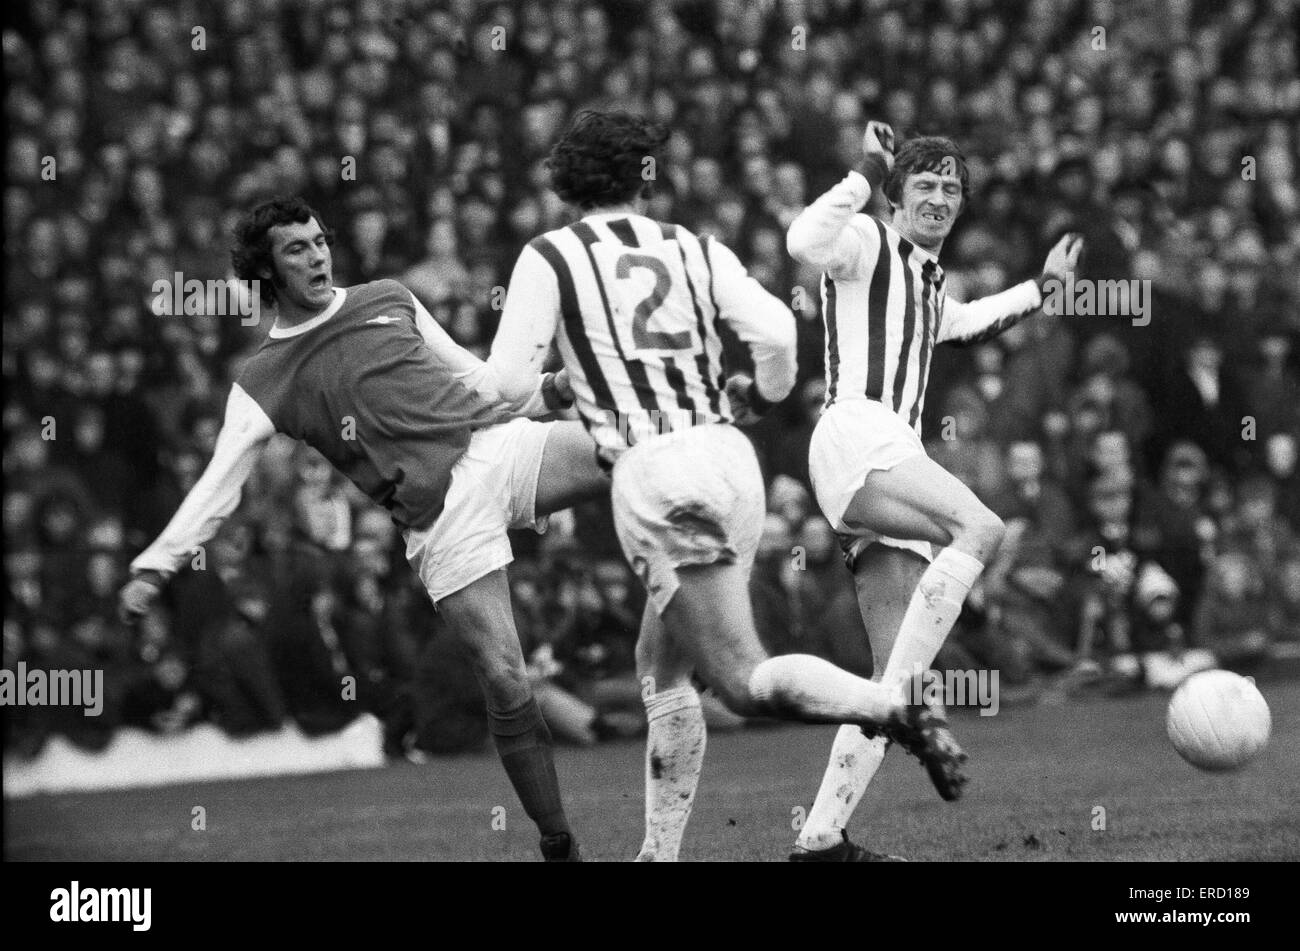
[[708, 627], [481, 616], [919, 499], [711, 617], [883, 576], [674, 752], [688, 510]]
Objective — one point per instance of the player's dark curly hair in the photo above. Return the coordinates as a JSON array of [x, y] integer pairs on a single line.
[[251, 253], [601, 159], [927, 153]]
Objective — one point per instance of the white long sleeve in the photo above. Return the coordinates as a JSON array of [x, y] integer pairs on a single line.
[[760, 320], [988, 316], [822, 234], [244, 434], [519, 394], [528, 323]]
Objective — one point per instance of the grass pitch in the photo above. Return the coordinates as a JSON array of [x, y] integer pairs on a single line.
[[1039, 777]]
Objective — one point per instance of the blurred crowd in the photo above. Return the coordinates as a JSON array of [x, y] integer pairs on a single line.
[[1147, 470]]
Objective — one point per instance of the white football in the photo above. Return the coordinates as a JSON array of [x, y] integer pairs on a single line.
[[1218, 720]]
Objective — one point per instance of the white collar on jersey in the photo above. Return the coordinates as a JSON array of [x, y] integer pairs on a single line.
[[608, 215], [278, 332]]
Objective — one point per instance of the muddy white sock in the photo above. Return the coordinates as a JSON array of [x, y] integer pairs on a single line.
[[807, 688], [931, 613], [854, 761], [674, 755]]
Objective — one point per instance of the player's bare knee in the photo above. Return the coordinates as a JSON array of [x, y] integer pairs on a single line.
[[739, 701], [979, 533], [498, 664], [505, 683], [732, 689]]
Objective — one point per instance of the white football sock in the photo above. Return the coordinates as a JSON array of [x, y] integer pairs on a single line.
[[931, 613], [807, 688], [854, 761], [674, 754]]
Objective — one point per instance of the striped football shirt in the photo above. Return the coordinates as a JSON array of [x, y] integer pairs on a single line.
[[884, 303], [634, 305]]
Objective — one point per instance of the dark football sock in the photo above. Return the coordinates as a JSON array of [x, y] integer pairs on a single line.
[[524, 744]]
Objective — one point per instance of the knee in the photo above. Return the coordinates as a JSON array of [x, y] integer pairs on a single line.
[[981, 532], [503, 677], [735, 695]]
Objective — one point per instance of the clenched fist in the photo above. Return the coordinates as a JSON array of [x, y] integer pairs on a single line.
[[747, 405], [879, 140], [137, 597], [557, 390]]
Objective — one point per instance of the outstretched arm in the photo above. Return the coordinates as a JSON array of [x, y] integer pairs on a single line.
[[521, 392], [244, 434], [528, 323], [985, 318]]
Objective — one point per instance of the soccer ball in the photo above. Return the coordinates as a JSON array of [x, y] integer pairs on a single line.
[[1217, 720]]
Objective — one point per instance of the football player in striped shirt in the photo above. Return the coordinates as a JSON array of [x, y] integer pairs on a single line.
[[636, 305], [424, 428], [885, 309]]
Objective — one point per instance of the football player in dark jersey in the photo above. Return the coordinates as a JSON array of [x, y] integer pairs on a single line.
[[367, 377]]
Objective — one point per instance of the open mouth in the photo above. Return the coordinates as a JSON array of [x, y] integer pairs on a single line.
[[319, 282], [934, 216]]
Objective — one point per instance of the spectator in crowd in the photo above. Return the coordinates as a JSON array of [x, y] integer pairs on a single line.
[[1030, 627], [1174, 523], [1232, 618], [1036, 371], [234, 670], [1104, 373], [1161, 642], [1255, 525], [1273, 390], [1108, 555], [161, 697], [964, 446], [1201, 401], [1281, 455]]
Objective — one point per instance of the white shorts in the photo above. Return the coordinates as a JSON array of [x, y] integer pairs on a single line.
[[493, 488], [692, 497], [853, 439]]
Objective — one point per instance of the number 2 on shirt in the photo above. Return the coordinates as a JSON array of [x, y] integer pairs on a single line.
[[660, 310]]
